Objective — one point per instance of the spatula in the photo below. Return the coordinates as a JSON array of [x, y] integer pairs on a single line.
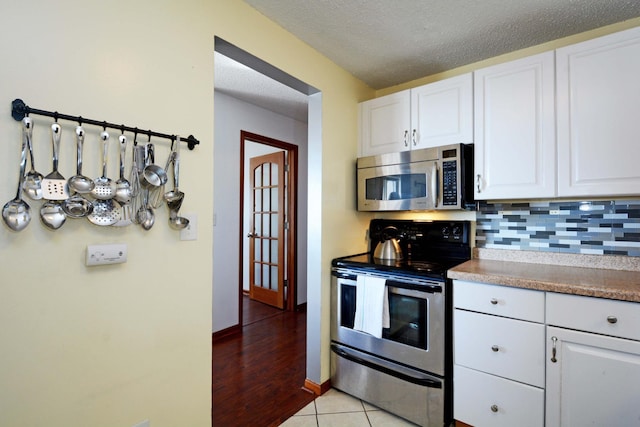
[[54, 185]]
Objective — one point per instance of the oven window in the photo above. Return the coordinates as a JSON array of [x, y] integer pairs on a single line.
[[396, 187], [347, 305], [408, 321]]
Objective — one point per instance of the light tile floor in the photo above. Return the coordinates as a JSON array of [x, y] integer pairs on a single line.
[[338, 409]]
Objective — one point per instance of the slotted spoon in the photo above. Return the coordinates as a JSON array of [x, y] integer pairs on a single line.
[[105, 188]]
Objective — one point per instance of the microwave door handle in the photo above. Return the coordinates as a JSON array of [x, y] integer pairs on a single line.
[[434, 184]]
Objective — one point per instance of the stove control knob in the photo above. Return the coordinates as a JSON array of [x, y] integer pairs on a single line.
[[457, 231], [445, 231]]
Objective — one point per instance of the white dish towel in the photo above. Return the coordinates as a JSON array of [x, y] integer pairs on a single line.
[[372, 305]]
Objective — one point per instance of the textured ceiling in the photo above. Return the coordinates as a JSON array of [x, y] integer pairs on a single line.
[[384, 42], [388, 42]]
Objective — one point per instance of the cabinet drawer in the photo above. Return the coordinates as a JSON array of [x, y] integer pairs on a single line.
[[523, 304], [602, 316], [481, 400], [509, 348]]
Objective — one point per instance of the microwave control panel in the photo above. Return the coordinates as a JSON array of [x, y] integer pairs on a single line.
[[450, 182]]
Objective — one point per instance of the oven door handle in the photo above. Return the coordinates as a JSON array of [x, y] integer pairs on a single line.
[[368, 361], [340, 275], [432, 289]]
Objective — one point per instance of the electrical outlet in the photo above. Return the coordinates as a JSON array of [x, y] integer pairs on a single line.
[[106, 254], [190, 232]]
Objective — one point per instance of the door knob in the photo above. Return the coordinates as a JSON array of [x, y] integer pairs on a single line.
[[252, 235]]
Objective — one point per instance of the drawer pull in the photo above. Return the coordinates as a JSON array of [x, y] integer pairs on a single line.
[[494, 408], [494, 301], [495, 348], [553, 350], [612, 319]]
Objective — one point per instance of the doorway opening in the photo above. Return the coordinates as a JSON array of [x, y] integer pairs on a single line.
[[268, 208]]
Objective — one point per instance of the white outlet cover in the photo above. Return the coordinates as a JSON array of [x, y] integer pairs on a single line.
[[106, 254], [190, 232]]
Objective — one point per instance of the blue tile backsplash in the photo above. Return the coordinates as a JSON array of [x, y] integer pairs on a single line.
[[593, 227]]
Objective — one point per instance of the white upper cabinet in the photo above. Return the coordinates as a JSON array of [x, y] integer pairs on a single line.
[[598, 98], [435, 114], [442, 112], [385, 124], [515, 144]]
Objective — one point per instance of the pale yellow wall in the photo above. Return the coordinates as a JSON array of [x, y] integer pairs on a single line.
[[112, 346]]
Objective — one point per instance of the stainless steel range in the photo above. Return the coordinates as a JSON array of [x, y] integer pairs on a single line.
[[391, 318]]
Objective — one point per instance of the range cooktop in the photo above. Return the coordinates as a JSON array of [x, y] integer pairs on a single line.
[[429, 248]]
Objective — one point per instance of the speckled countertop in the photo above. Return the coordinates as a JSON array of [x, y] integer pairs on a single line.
[[610, 277]]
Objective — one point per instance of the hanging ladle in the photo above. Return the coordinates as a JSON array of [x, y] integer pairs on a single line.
[[80, 183], [33, 181], [77, 206], [17, 213], [123, 187], [175, 197]]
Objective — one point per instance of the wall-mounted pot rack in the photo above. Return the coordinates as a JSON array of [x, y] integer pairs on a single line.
[[19, 110]]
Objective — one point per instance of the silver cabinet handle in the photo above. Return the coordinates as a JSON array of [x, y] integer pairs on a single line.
[[612, 319], [553, 349], [495, 348], [414, 137], [478, 182], [494, 408], [494, 301], [406, 134]]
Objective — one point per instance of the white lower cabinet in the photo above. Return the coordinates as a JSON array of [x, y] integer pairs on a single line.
[[592, 379], [587, 373], [498, 355], [493, 401]]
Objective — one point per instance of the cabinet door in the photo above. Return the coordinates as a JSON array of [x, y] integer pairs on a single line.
[[514, 131], [595, 380], [385, 124], [598, 116], [442, 113]]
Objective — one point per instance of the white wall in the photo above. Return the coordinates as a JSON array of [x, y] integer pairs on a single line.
[[232, 116]]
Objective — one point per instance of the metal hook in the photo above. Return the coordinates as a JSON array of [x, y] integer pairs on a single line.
[[79, 120]]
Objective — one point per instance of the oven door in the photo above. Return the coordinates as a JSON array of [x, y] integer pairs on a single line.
[[416, 336]]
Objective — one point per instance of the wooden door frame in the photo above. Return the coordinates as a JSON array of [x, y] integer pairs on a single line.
[[292, 217]]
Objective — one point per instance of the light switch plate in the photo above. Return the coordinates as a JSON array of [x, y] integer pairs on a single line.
[[190, 232], [106, 254]]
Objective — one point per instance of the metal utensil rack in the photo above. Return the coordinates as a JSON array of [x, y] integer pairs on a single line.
[[19, 110]]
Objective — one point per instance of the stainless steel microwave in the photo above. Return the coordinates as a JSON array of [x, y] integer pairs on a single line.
[[427, 179]]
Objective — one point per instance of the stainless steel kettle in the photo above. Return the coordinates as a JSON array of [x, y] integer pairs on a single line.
[[388, 248]]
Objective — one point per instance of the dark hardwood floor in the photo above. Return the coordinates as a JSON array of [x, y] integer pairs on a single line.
[[258, 376]]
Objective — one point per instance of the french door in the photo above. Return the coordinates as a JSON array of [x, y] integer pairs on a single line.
[[267, 235]]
